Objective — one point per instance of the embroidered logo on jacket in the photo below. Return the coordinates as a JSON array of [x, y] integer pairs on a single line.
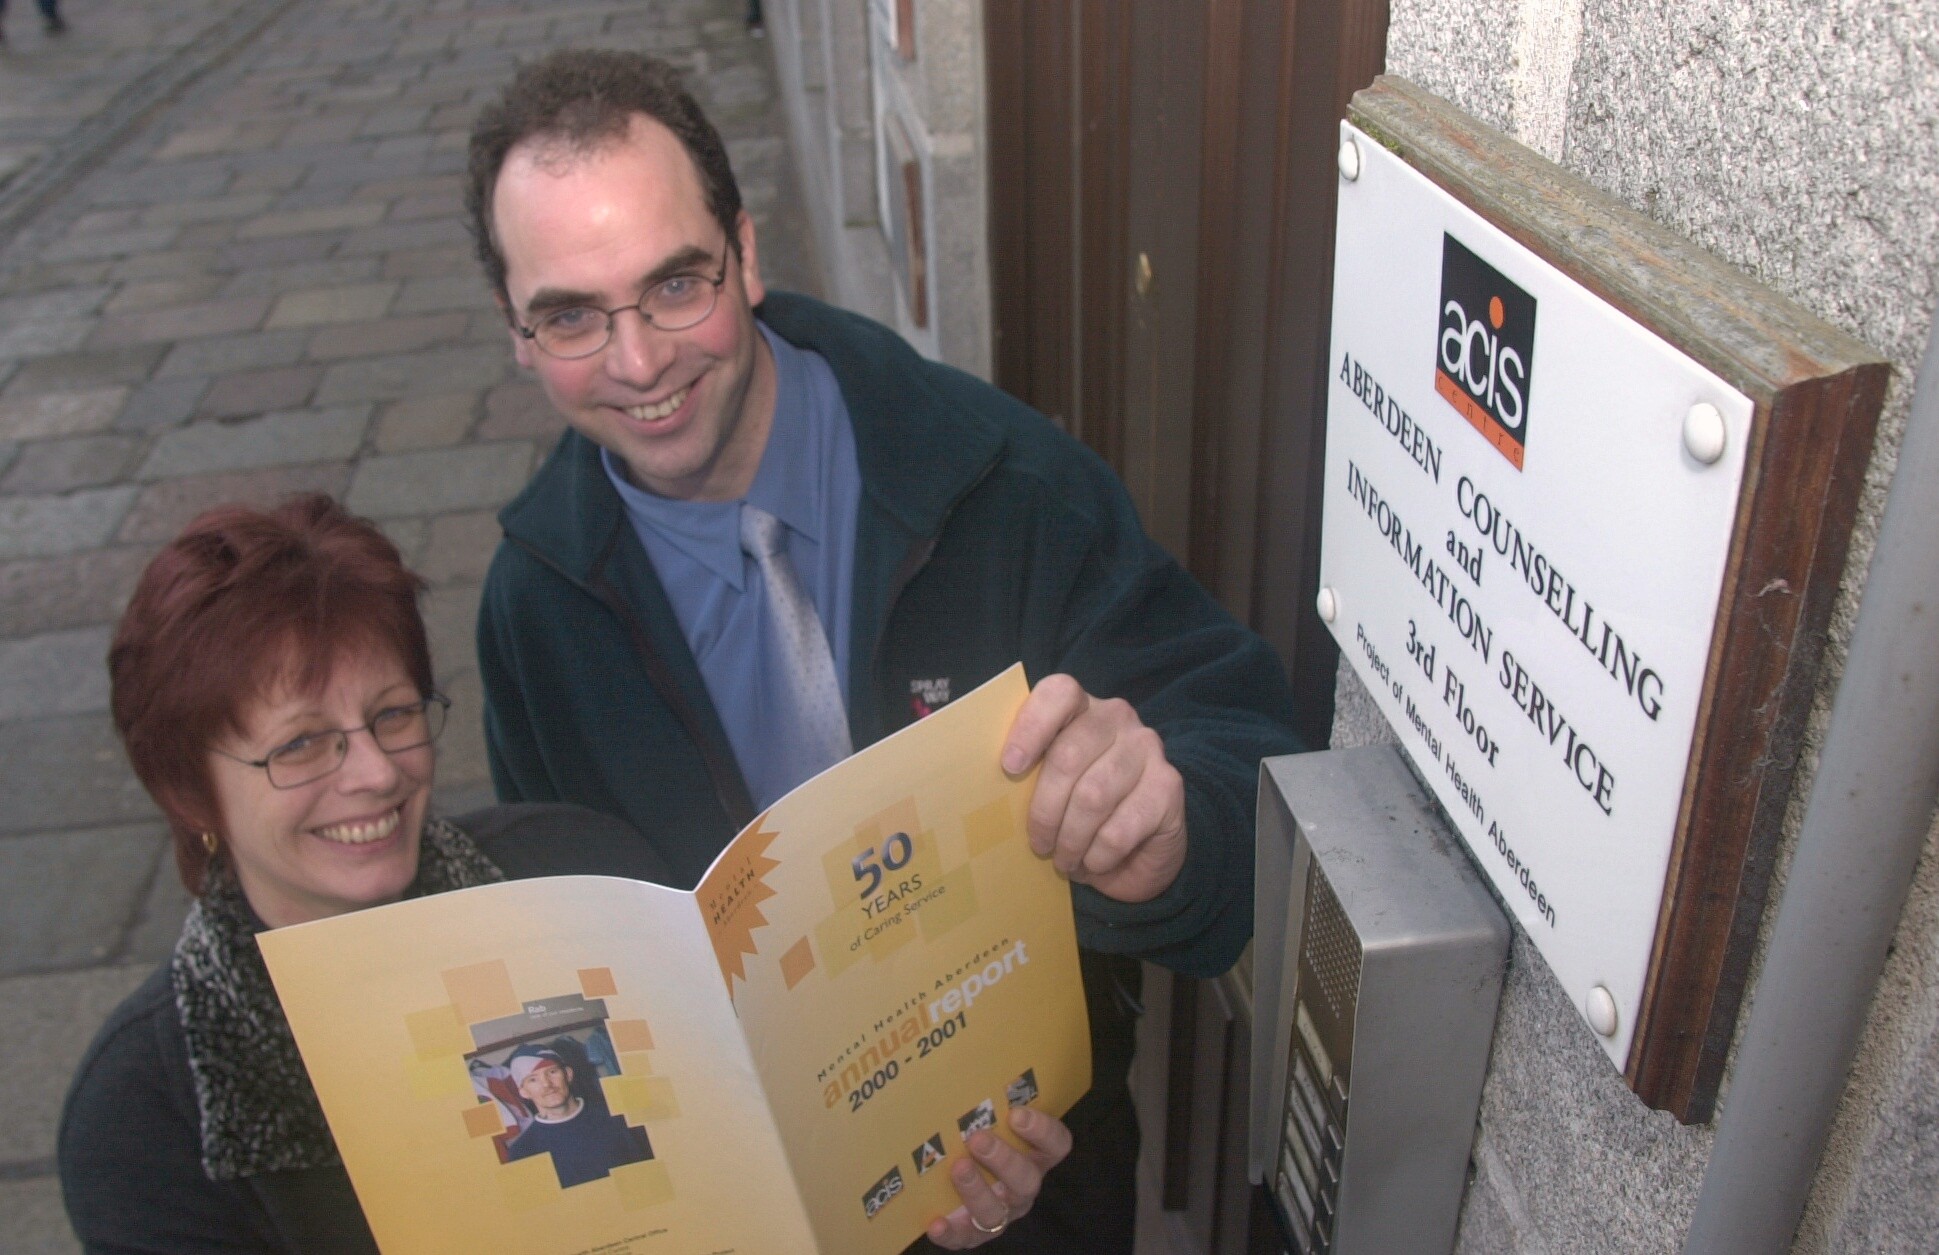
[[926, 697]]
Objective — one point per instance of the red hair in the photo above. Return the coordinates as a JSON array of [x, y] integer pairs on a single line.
[[244, 601]]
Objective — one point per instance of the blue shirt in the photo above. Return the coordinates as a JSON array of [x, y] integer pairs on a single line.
[[809, 480]]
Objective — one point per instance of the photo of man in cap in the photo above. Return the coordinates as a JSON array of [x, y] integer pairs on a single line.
[[585, 1143]]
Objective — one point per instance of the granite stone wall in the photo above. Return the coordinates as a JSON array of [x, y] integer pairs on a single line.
[[1796, 139], [844, 83]]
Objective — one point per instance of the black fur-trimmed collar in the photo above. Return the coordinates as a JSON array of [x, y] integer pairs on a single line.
[[259, 1113]]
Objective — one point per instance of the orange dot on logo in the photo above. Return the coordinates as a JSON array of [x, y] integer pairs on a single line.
[[1495, 312]]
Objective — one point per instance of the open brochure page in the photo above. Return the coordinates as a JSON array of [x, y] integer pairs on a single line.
[[411, 1019], [904, 967], [783, 1060]]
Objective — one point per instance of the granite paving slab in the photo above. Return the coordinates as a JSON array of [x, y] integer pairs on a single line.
[[191, 321], [158, 921], [278, 388], [51, 414], [32, 1217], [387, 336], [450, 619], [517, 408], [43, 339], [166, 506], [459, 547], [38, 1038], [86, 371], [225, 355], [461, 753], [427, 422], [41, 526], [163, 403], [67, 898], [66, 772], [467, 477], [57, 305], [413, 374], [46, 594], [290, 437], [54, 466], [55, 673], [317, 306]]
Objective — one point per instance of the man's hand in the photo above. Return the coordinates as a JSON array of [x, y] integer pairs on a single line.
[[990, 1205], [1109, 810]]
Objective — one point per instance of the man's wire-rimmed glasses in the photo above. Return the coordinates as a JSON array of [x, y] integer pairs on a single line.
[[673, 304], [310, 758]]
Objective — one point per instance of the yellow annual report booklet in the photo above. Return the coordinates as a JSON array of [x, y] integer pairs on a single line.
[[782, 1060]]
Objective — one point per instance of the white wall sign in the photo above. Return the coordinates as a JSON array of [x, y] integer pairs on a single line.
[[1523, 554]]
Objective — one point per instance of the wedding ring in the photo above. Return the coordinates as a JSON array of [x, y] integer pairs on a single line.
[[1001, 1225]]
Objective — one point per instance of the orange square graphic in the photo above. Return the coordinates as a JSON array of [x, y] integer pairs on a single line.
[[641, 1098], [438, 1080], [643, 1184], [527, 1184], [797, 962], [898, 817], [597, 982], [437, 1032], [482, 991], [483, 1120], [955, 905], [990, 825], [831, 938], [629, 1035]]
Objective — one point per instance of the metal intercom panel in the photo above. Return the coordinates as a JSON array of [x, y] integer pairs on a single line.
[[1377, 971]]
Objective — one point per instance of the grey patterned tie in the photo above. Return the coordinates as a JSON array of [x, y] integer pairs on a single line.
[[801, 645]]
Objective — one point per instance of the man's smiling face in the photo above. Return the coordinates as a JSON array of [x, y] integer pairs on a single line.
[[548, 1087], [687, 412]]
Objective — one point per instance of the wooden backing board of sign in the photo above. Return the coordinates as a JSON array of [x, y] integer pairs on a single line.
[[1817, 393]]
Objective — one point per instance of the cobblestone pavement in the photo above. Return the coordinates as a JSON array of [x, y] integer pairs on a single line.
[[245, 275], [58, 92]]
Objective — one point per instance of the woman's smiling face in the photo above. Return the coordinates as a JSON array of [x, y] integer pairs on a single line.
[[339, 843]]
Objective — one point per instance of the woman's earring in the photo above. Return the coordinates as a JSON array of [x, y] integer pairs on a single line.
[[209, 843]]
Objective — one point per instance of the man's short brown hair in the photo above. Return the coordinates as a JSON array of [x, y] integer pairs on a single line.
[[583, 98]]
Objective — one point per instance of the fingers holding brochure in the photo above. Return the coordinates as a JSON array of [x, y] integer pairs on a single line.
[[1109, 808], [992, 1202]]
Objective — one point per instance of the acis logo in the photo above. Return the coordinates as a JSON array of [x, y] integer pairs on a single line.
[[1487, 349]]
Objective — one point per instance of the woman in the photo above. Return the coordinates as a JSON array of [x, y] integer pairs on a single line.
[[272, 685]]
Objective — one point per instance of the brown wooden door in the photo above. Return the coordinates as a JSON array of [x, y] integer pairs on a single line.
[[1162, 194]]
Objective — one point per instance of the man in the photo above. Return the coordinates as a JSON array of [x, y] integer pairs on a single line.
[[585, 1145], [642, 642]]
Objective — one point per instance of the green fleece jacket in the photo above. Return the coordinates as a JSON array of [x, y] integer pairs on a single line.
[[985, 535]]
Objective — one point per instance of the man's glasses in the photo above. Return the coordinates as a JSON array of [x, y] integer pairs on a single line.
[[671, 305], [310, 758]]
